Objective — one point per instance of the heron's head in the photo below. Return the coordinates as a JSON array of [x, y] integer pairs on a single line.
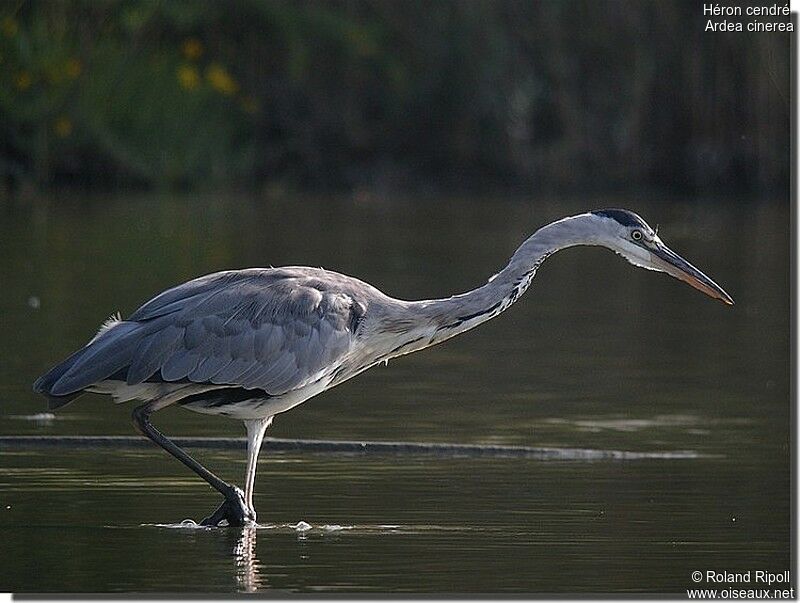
[[628, 235]]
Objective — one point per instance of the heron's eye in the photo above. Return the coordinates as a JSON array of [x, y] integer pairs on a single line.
[[636, 235]]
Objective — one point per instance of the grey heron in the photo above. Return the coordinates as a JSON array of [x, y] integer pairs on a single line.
[[250, 344]]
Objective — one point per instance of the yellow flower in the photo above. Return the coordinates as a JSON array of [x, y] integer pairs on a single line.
[[188, 77], [192, 49], [23, 80], [63, 127], [250, 105], [73, 68], [9, 26], [221, 80]]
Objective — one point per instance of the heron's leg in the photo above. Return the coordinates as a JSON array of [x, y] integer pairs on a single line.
[[234, 508], [255, 436]]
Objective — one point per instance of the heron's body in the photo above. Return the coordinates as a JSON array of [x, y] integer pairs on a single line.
[[225, 344], [250, 344]]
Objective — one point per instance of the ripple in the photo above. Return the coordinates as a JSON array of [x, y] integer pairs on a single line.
[[42, 418], [361, 448], [627, 424], [304, 528], [186, 524]]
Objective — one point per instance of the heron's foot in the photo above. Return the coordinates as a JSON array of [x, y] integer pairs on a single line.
[[234, 510]]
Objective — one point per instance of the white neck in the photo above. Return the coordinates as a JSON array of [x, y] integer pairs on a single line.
[[439, 319]]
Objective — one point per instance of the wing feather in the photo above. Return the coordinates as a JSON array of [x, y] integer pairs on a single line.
[[208, 367], [270, 329], [151, 354], [179, 365]]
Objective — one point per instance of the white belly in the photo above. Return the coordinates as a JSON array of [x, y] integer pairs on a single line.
[[259, 407]]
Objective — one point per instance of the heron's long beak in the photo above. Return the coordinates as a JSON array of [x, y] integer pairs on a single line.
[[670, 262]]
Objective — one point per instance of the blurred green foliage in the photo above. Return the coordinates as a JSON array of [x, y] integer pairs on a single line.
[[352, 93]]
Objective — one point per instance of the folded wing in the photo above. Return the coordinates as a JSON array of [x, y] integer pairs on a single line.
[[270, 329]]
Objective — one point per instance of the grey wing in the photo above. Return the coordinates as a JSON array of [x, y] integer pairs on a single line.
[[273, 330]]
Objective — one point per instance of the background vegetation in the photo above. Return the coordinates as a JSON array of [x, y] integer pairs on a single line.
[[389, 94]]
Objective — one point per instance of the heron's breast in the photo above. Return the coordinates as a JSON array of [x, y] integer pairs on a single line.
[[254, 404]]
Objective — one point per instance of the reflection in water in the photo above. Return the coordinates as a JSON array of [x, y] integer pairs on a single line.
[[248, 577], [42, 419]]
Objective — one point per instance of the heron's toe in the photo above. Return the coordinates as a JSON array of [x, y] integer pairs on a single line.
[[217, 516], [233, 510]]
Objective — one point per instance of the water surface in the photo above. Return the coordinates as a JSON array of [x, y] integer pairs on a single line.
[[596, 355]]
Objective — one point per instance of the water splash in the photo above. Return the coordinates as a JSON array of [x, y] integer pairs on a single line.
[[335, 527], [186, 524]]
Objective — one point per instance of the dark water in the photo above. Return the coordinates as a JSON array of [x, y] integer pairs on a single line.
[[596, 355]]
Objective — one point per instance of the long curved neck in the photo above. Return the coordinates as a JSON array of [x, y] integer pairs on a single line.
[[454, 315]]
